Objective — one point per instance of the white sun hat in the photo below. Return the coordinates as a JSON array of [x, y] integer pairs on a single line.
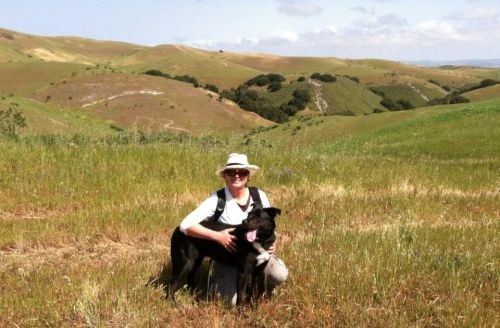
[[238, 161]]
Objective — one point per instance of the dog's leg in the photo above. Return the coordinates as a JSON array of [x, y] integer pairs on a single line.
[[244, 276], [192, 274], [179, 274]]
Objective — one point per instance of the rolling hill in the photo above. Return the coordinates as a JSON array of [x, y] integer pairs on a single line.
[[70, 73]]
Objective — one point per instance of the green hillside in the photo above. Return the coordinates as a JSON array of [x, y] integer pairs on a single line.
[[42, 118], [8, 55], [346, 97], [24, 78], [450, 134], [417, 95], [490, 92], [66, 49], [413, 129], [67, 70], [205, 66], [284, 94]]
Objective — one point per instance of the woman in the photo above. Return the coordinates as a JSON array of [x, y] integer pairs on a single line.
[[239, 203]]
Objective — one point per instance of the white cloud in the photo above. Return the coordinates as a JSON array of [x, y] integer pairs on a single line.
[[298, 8], [383, 36], [363, 10], [474, 14], [436, 29]]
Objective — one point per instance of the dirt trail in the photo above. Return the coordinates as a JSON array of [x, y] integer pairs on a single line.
[[163, 122], [321, 103], [125, 93], [424, 97]]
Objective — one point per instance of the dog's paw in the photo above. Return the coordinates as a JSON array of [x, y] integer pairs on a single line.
[[263, 257]]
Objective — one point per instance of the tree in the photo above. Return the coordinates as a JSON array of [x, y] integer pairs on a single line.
[[316, 76], [405, 104], [212, 87], [274, 86], [154, 72], [302, 94], [10, 121], [328, 78]]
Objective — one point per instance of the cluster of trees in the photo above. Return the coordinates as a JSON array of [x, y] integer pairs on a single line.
[[183, 78], [272, 80], [249, 99], [453, 98], [482, 84], [388, 103], [456, 96], [265, 79], [299, 102], [323, 77]]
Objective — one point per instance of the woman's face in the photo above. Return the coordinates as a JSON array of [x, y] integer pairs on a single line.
[[236, 178]]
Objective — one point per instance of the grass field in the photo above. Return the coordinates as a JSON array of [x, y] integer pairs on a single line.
[[389, 220]]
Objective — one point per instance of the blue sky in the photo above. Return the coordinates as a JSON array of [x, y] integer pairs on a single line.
[[390, 29]]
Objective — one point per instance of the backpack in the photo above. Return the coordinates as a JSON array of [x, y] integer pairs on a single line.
[[221, 201]]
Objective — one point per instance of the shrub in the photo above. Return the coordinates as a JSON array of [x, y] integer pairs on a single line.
[[316, 76], [379, 110], [265, 79], [404, 104], [488, 82], [328, 78], [324, 77], [274, 86], [212, 87], [388, 103], [10, 121], [273, 77], [434, 82], [377, 92], [302, 94], [352, 78], [188, 79], [154, 72], [301, 79], [457, 99]]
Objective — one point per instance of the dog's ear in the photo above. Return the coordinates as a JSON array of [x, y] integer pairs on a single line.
[[273, 211]]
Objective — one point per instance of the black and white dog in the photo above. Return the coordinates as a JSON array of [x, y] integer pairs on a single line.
[[254, 237]]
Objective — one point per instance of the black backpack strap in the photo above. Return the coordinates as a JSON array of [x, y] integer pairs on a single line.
[[254, 193], [221, 203]]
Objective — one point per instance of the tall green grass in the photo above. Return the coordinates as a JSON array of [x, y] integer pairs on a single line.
[[393, 227]]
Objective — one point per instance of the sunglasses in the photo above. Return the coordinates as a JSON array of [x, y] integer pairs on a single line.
[[240, 173]]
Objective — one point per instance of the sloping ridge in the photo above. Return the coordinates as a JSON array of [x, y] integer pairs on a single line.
[[158, 104]]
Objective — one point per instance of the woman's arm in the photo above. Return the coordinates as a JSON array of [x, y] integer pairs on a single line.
[[191, 226], [224, 238]]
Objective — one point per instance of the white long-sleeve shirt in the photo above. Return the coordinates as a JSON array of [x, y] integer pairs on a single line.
[[232, 214]]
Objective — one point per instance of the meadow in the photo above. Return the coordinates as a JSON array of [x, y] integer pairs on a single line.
[[392, 226]]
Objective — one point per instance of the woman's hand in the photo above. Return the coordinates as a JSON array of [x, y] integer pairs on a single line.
[[226, 239], [272, 248]]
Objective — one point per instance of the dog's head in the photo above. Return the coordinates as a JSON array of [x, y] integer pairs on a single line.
[[260, 223]]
